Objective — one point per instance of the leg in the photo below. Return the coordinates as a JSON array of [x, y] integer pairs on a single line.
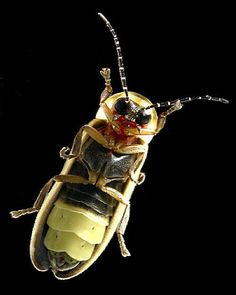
[[106, 73], [64, 153], [107, 111], [76, 147], [140, 150], [131, 149], [38, 203], [114, 194], [177, 106], [141, 177], [69, 178], [121, 231], [98, 137], [44, 191]]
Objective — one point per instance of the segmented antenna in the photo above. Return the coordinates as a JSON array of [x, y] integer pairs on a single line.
[[119, 55], [187, 99]]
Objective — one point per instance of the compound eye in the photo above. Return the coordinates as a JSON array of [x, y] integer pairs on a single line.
[[143, 118], [121, 106]]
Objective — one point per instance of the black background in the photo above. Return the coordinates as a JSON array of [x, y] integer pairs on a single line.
[[180, 231]]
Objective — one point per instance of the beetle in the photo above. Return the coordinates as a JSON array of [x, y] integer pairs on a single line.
[[80, 210]]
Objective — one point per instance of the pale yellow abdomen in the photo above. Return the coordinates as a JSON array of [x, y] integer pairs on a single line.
[[74, 230]]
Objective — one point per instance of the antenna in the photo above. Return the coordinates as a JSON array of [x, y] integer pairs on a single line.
[[187, 99], [119, 55]]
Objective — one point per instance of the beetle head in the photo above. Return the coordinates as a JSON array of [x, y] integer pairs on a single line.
[[129, 117], [131, 111]]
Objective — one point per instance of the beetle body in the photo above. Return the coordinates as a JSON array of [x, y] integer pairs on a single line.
[[79, 210], [77, 221]]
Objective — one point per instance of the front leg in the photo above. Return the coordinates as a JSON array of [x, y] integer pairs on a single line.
[[161, 123], [139, 179], [106, 74], [75, 151]]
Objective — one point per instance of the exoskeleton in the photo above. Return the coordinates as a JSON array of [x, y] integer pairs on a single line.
[[79, 210]]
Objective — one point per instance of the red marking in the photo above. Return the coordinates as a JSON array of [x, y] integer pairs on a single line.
[[126, 123], [119, 135]]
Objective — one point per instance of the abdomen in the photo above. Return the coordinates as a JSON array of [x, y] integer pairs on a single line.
[[78, 220], [77, 223]]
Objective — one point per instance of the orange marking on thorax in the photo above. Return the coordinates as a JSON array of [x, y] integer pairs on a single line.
[[119, 136]]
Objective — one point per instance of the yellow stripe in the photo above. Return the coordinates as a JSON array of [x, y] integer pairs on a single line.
[[70, 243], [67, 221], [102, 220]]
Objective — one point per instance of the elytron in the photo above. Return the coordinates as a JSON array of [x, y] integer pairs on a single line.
[[80, 210]]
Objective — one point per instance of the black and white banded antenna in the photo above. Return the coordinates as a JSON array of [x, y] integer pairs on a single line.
[[187, 99], [119, 55]]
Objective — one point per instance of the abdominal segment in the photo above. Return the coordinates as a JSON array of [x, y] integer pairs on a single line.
[[76, 224]]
